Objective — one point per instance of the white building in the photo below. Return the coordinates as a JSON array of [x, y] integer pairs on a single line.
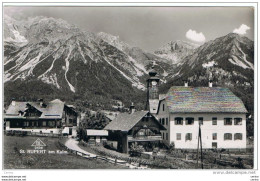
[[221, 113]]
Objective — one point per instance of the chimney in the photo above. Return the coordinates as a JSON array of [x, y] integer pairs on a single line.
[[13, 102], [185, 83], [210, 83], [41, 102], [20, 113], [132, 108]]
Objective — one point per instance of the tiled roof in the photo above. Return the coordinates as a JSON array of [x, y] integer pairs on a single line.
[[203, 100], [53, 110], [125, 121]]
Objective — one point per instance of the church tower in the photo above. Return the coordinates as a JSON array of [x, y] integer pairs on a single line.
[[152, 91]]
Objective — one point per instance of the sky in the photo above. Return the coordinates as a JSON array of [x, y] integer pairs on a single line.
[[151, 27]]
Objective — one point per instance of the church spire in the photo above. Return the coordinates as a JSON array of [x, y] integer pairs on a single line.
[[152, 90]]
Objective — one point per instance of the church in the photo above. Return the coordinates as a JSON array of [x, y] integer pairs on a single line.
[[216, 111]]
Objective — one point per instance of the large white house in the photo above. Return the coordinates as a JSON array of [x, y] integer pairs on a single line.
[[221, 113]]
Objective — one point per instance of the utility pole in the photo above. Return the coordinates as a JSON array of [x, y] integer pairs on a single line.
[[199, 143]]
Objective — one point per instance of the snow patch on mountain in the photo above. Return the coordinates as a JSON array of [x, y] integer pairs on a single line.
[[209, 64], [138, 67], [67, 69], [17, 37], [244, 58], [237, 62], [51, 79], [134, 83]]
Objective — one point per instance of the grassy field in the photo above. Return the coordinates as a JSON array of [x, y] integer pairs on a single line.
[[13, 159]]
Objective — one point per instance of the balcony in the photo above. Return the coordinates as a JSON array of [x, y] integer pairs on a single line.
[[145, 138]]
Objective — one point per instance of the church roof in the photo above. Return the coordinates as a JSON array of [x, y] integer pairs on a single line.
[[203, 100]]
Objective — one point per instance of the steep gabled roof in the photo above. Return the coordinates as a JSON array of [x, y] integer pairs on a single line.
[[53, 110], [125, 121], [203, 100]]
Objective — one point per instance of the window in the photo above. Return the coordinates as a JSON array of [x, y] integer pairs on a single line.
[[44, 123], [51, 123], [238, 121], [214, 136], [201, 120], [163, 135], [238, 136], [26, 123], [75, 122], [214, 121], [162, 121], [166, 121], [188, 136], [227, 136], [178, 121], [227, 121], [189, 121], [141, 132], [32, 114], [163, 107], [166, 136], [214, 145], [32, 123], [178, 136]]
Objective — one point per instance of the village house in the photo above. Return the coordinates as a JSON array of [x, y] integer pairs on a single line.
[[54, 117], [135, 127], [220, 113]]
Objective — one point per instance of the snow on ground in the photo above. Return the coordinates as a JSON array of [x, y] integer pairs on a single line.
[[30, 64], [7, 77], [135, 83], [244, 57], [51, 79], [67, 69], [237, 62], [138, 67], [209, 64], [49, 69], [82, 54], [176, 74], [171, 57]]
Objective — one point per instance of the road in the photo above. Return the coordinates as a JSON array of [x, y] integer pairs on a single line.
[[73, 145]]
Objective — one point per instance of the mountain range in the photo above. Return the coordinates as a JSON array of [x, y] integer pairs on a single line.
[[47, 57]]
